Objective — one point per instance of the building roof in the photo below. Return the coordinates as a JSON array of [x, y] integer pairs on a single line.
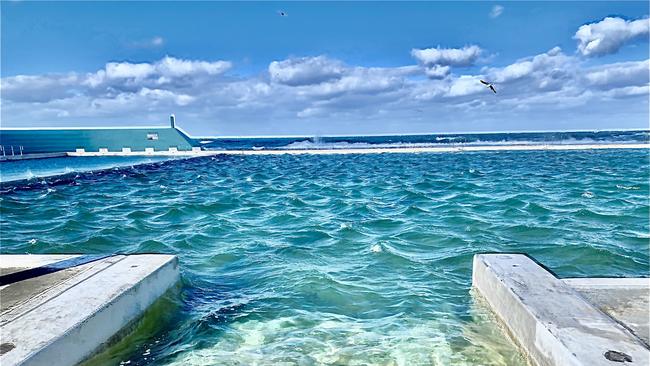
[[49, 140]]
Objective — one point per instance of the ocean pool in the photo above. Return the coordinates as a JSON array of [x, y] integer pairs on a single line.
[[339, 259]]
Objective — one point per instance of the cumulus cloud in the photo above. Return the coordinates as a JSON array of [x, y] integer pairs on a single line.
[[621, 74], [438, 61], [360, 80], [325, 92], [123, 70], [496, 11], [168, 73], [437, 71], [305, 70], [546, 71], [465, 56], [172, 67], [609, 35], [168, 70], [465, 85], [167, 67]]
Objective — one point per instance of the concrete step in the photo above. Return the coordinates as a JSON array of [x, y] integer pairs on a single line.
[[61, 309], [551, 321]]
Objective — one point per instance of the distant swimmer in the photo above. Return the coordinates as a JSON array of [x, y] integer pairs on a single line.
[[489, 85], [282, 13]]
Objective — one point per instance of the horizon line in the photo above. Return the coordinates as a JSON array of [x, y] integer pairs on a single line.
[[419, 133]]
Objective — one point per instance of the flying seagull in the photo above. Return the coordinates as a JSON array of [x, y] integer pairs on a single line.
[[489, 85]]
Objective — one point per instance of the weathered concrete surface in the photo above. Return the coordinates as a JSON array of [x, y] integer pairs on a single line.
[[547, 318], [61, 318], [624, 299]]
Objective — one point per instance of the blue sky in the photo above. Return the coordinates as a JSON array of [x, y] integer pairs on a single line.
[[326, 68]]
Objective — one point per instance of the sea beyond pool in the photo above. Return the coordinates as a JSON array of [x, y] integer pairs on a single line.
[[426, 140], [351, 259]]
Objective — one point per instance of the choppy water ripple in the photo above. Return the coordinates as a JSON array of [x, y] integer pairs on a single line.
[[348, 259]]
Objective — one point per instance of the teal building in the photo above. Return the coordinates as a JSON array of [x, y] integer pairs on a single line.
[[15, 141]]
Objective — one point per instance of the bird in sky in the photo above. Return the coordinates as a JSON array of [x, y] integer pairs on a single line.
[[282, 13], [488, 85]]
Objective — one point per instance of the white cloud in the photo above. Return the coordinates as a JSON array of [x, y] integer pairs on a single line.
[[465, 85], [305, 70], [38, 88], [320, 93], [158, 95], [437, 62], [619, 74], [360, 80], [513, 71], [552, 68], [168, 70], [437, 71], [496, 11], [465, 56], [173, 67], [124, 70], [609, 35]]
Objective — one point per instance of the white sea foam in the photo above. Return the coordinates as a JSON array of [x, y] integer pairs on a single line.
[[27, 175], [620, 186], [320, 145]]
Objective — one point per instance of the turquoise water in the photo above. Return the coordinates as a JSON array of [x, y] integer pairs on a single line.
[[344, 259], [428, 140], [41, 168]]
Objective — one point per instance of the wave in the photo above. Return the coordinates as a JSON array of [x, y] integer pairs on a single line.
[[427, 140], [311, 145]]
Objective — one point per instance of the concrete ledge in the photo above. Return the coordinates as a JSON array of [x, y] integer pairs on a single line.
[[197, 152], [63, 317], [626, 300], [371, 150], [550, 320], [33, 156]]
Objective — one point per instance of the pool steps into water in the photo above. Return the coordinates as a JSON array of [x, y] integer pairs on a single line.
[[573, 322], [62, 309]]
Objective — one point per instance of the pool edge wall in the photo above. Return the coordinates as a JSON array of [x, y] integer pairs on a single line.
[[74, 318], [548, 319]]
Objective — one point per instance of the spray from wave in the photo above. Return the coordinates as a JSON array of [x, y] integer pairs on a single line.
[[312, 145]]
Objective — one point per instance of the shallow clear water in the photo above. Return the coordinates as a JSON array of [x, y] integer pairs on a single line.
[[346, 259]]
